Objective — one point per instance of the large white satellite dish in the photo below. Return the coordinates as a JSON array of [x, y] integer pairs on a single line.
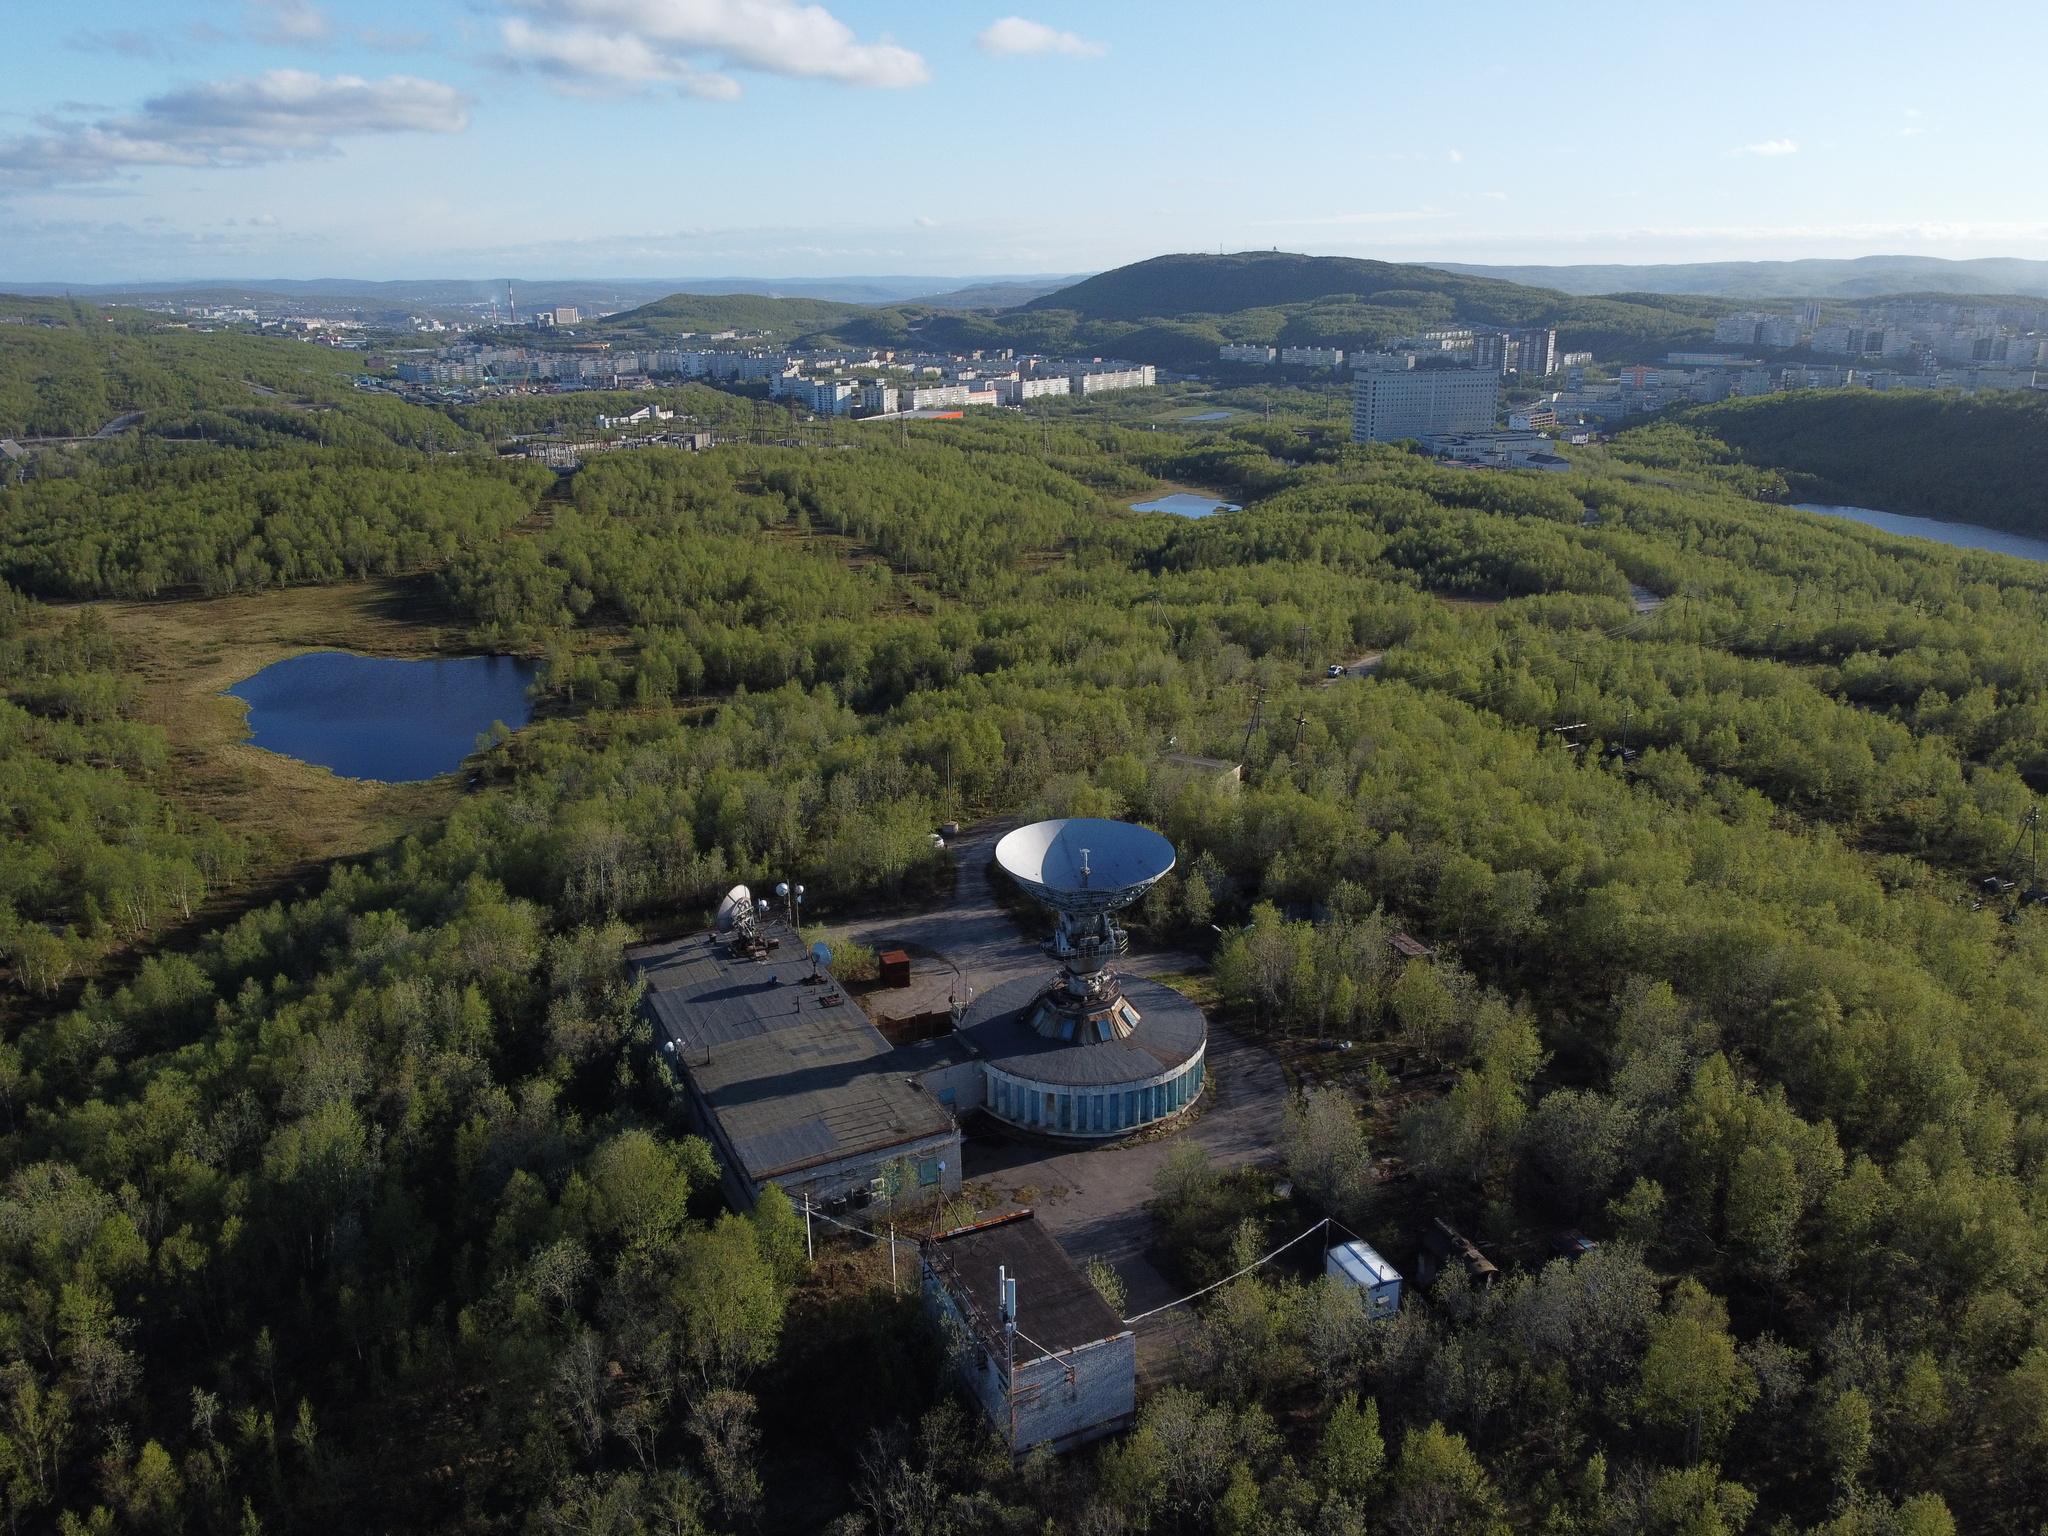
[[1082, 865], [738, 904]]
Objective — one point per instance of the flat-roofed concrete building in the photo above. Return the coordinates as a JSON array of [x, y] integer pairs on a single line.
[[1386, 407], [789, 1081], [1047, 1358]]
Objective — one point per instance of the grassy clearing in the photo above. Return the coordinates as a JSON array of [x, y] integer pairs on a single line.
[[302, 816]]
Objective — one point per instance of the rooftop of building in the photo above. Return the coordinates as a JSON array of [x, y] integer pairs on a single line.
[[792, 1068], [1057, 1309], [1170, 1031]]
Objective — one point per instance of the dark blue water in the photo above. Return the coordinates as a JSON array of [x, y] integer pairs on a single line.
[[1183, 505], [370, 717], [1961, 535]]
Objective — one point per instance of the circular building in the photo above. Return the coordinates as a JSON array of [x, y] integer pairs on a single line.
[[1086, 1053], [1145, 1067]]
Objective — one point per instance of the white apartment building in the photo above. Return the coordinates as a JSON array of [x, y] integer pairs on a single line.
[[1245, 352], [1017, 391], [1387, 406], [1863, 341], [1760, 329], [1313, 357], [1086, 383]]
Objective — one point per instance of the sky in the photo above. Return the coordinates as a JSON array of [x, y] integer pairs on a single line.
[[168, 140]]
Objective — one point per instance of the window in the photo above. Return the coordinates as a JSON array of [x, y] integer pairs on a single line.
[[927, 1170], [946, 1097], [1066, 1111], [1098, 1112]]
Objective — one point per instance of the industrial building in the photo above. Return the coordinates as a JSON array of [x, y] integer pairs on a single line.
[[1047, 1358], [789, 1081], [1391, 405]]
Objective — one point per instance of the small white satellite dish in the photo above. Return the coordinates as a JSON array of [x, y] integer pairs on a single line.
[[738, 901]]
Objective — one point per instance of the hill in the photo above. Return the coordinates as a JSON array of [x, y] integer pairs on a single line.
[[1970, 459], [1197, 283], [1864, 277], [783, 318]]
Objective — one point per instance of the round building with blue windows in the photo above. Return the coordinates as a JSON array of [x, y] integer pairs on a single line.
[[1148, 1069], [1086, 1054]]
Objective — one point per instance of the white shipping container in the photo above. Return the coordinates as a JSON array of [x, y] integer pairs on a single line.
[[1361, 1266]]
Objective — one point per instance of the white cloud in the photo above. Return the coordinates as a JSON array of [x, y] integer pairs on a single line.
[[596, 44], [298, 22], [1013, 35], [1457, 157], [280, 114], [1771, 148]]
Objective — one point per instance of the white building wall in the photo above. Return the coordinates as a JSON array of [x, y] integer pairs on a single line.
[[1059, 1401], [1389, 406]]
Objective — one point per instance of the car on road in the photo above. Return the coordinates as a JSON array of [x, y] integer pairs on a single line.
[[1336, 670]]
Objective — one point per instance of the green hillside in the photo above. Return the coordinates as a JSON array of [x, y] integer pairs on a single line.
[[1175, 311], [1976, 459], [699, 312]]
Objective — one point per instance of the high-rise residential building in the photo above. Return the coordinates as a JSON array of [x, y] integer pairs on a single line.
[[1535, 353], [1492, 349], [1386, 407]]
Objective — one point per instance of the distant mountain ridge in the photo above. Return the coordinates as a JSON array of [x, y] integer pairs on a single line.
[[1861, 277]]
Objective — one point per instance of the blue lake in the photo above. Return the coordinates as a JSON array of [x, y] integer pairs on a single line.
[[1210, 416], [1181, 504], [1961, 535], [371, 717]]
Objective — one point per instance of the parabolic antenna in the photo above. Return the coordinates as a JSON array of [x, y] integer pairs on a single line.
[[1082, 865], [738, 904], [821, 955]]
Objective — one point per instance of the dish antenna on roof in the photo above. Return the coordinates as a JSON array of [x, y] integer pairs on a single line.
[[736, 911], [821, 957], [1085, 870]]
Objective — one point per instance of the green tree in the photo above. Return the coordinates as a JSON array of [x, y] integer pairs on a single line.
[[1692, 1382]]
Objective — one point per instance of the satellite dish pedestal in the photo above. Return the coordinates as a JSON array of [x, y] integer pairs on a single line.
[[1085, 870]]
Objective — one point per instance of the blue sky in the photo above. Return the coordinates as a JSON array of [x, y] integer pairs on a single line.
[[168, 139]]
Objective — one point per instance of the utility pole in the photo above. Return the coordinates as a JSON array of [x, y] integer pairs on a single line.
[[1258, 715], [810, 1253], [1300, 725]]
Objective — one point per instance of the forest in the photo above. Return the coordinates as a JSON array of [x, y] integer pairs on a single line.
[[360, 1205], [1980, 458]]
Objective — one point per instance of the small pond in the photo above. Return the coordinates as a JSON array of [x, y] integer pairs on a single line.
[[372, 717], [1209, 416], [1181, 504], [1961, 535]]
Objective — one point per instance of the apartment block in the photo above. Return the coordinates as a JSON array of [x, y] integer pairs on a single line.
[[1386, 406]]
